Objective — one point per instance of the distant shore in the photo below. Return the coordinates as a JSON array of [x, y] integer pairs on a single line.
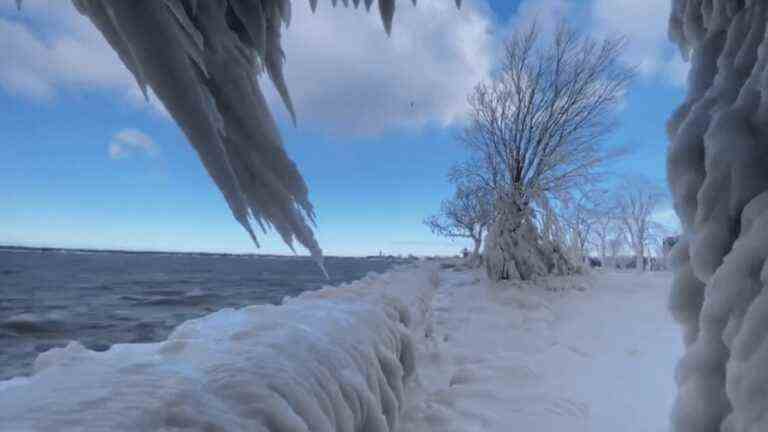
[[51, 249]]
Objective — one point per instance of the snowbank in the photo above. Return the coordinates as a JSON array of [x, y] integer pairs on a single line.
[[337, 359], [577, 354]]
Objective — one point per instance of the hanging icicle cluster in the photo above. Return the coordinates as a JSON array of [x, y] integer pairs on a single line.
[[201, 58], [718, 173]]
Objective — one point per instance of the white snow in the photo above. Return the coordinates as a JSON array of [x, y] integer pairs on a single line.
[[331, 360], [586, 354], [414, 349]]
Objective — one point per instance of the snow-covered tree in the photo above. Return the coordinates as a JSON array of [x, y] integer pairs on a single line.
[[717, 173], [605, 229], [536, 130], [466, 215], [637, 202], [538, 127], [514, 249], [616, 244], [584, 214]]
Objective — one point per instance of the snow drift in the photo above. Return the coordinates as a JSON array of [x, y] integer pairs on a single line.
[[337, 359], [718, 173]]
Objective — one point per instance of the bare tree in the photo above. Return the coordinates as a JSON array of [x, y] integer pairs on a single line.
[[638, 201], [466, 215], [604, 230], [536, 130], [616, 245], [538, 127], [585, 214]]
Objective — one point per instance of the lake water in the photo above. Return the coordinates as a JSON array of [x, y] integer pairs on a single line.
[[48, 298]]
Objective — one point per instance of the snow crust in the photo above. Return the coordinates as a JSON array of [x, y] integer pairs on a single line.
[[338, 359], [717, 171]]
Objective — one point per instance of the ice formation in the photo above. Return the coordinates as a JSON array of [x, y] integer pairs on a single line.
[[718, 173], [337, 359], [201, 59], [514, 249]]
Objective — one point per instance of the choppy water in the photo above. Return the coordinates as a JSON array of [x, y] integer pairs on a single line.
[[49, 298]]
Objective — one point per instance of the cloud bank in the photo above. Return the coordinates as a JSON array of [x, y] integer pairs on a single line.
[[130, 142], [346, 76], [644, 23]]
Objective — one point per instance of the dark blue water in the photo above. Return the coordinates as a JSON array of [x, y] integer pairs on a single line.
[[48, 298]]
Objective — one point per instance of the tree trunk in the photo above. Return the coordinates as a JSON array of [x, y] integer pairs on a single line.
[[515, 250], [477, 259]]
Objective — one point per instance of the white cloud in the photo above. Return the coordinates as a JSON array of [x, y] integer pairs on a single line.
[[344, 73], [50, 47], [644, 23], [129, 142], [545, 13], [346, 76]]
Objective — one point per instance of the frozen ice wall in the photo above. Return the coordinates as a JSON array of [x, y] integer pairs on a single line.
[[718, 173], [338, 359]]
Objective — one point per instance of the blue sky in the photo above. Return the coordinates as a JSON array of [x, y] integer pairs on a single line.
[[86, 162]]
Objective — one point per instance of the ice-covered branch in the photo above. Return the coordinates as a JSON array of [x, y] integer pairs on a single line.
[[466, 215]]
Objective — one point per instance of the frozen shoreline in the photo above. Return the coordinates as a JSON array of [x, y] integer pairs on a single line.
[[333, 359], [419, 348], [593, 353]]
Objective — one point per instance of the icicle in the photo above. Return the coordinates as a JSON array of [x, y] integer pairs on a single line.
[[252, 15], [285, 11], [102, 19], [193, 44], [387, 11], [274, 65], [181, 14]]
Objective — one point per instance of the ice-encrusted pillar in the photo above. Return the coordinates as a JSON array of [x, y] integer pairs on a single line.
[[718, 174]]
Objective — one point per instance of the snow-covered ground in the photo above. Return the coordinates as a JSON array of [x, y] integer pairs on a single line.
[[420, 348], [592, 354]]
